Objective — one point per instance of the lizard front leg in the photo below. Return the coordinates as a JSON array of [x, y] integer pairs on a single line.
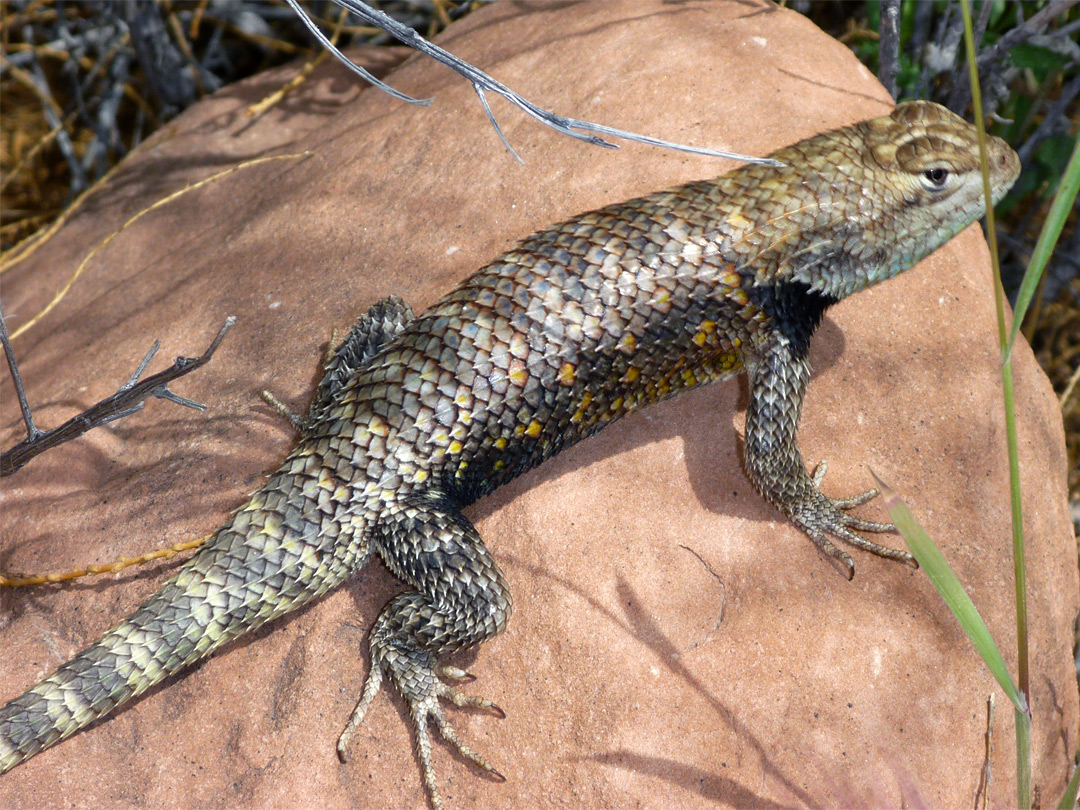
[[773, 462], [460, 599]]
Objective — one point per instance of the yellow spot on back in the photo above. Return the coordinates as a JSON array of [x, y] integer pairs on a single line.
[[737, 220], [518, 375], [580, 412]]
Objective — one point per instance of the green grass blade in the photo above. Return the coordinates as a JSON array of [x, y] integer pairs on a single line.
[[1064, 201], [1023, 724], [1068, 801], [1023, 756], [945, 581]]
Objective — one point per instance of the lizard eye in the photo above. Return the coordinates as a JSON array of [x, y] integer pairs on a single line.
[[936, 178]]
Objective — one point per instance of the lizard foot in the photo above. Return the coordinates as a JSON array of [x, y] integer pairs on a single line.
[[829, 516], [419, 684]]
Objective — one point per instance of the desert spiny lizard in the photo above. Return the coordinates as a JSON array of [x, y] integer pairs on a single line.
[[577, 326]]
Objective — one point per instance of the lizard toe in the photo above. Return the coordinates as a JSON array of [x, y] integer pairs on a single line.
[[830, 549], [844, 503], [855, 500], [857, 540], [371, 688], [470, 701], [424, 709], [858, 524], [416, 674]]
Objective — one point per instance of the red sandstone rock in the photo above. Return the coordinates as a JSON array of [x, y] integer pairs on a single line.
[[675, 642]]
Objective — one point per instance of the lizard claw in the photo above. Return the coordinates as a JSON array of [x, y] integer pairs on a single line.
[[448, 671]]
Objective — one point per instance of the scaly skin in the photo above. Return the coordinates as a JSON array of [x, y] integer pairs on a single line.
[[578, 326]]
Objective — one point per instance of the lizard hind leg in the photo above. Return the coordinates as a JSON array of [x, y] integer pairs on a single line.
[[368, 336], [460, 599]]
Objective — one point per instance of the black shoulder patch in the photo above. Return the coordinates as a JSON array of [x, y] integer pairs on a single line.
[[795, 309]]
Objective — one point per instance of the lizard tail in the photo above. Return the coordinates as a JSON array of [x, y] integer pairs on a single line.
[[262, 564], [288, 545], [125, 662]]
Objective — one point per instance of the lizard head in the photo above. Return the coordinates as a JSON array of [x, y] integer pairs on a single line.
[[898, 188], [931, 159]]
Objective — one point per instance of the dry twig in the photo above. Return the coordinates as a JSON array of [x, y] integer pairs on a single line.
[[128, 399]]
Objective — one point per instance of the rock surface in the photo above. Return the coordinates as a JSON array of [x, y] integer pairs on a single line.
[[675, 642]]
